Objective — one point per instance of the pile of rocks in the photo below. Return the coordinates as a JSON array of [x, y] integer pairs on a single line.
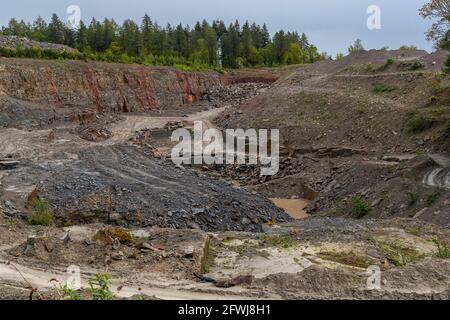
[[126, 186], [234, 94], [14, 42]]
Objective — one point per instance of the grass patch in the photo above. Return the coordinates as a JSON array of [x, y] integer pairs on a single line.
[[41, 214], [381, 88], [399, 254], [416, 231], [443, 251], [360, 208], [419, 124], [282, 242], [347, 258]]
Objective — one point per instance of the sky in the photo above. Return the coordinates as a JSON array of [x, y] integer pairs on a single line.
[[332, 25]]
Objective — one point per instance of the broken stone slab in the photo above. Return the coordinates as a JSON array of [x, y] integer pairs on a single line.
[[376, 202], [8, 164], [188, 252], [117, 256], [236, 281], [29, 247], [421, 212]]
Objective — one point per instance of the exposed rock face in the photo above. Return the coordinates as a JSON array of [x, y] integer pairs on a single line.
[[101, 87], [13, 42]]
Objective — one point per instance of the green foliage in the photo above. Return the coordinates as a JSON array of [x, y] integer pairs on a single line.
[[41, 214], [389, 62], [400, 254], [419, 124], [417, 65], [206, 46], [432, 198], [360, 208], [406, 47], [443, 251], [412, 198], [283, 242], [356, 47], [339, 56], [67, 293], [99, 287], [433, 100], [447, 65]]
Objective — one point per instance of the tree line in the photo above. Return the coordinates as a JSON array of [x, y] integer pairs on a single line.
[[206, 44]]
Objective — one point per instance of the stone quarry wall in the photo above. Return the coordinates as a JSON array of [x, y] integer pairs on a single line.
[[102, 87]]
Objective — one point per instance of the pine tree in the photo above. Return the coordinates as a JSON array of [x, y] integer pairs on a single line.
[[246, 41], [357, 46], [147, 30], [56, 30], [82, 37], [130, 38], [39, 30]]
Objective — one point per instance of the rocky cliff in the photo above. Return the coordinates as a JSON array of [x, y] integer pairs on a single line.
[[98, 87]]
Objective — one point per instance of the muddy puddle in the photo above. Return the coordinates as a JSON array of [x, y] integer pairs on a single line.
[[293, 207]]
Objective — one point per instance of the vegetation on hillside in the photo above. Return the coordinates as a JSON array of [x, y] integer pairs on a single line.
[[204, 45]]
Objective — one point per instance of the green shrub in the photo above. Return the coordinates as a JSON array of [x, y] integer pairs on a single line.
[[419, 124], [443, 251], [99, 287], [433, 100], [41, 214], [432, 198], [412, 198], [389, 62], [67, 293], [360, 208], [447, 65], [417, 65]]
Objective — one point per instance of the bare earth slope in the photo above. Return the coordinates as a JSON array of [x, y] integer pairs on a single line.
[[369, 126]]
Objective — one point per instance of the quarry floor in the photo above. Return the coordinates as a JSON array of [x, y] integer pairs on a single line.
[[307, 257]]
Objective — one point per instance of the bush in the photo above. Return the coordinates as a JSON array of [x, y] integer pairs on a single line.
[[67, 293], [41, 214], [419, 124], [412, 198], [446, 68], [443, 251], [386, 65], [433, 100], [417, 65], [432, 198], [99, 287], [360, 208]]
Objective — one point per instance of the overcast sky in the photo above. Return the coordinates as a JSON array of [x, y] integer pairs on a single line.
[[330, 24]]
